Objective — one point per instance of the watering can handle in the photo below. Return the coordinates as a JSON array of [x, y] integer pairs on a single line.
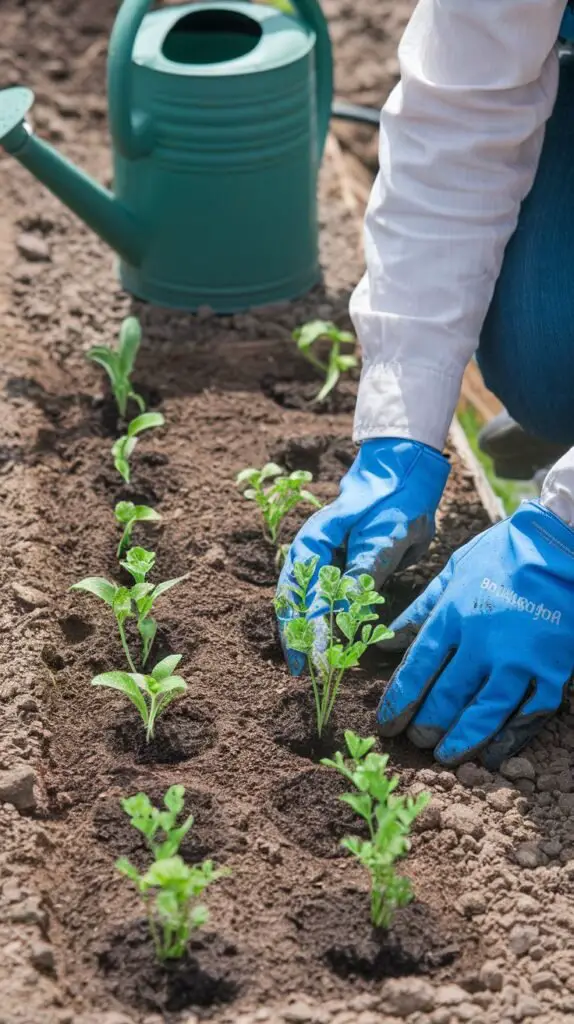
[[131, 130], [311, 12]]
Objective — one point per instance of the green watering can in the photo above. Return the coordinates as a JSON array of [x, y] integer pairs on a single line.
[[218, 116]]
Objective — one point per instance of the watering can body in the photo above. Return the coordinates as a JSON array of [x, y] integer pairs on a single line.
[[218, 115]]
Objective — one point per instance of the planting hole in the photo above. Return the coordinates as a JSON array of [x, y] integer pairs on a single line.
[[112, 825], [307, 809], [75, 629], [259, 627], [180, 734], [211, 37], [337, 930], [207, 975]]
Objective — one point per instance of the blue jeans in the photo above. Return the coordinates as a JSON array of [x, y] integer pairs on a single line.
[[526, 350]]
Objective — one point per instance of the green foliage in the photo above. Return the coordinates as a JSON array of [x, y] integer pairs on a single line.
[[123, 448], [170, 888], [128, 514], [388, 818], [337, 363], [150, 694], [335, 639], [276, 495], [132, 602], [119, 363], [159, 827]]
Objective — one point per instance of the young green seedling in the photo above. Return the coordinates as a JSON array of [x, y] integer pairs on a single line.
[[119, 363], [170, 888], [389, 819], [150, 694], [276, 495], [129, 602], [336, 637], [158, 827], [337, 363], [123, 448], [128, 514], [139, 562]]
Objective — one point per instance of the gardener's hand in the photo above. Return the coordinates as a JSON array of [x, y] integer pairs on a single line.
[[495, 650], [382, 520]]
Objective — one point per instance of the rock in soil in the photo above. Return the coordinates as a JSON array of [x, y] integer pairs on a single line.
[[17, 787]]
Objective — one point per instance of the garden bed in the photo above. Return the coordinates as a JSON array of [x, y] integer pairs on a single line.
[[289, 931]]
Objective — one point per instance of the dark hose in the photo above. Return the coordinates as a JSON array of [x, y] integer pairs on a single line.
[[355, 112]]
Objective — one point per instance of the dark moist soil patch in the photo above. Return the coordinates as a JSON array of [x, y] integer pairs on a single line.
[[294, 394], [336, 929], [208, 975], [206, 838], [252, 557], [259, 627], [308, 811], [327, 458], [180, 734], [293, 722]]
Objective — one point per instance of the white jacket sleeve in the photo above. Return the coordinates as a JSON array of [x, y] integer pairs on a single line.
[[558, 488], [460, 141]]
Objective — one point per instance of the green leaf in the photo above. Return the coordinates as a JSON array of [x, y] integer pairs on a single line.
[[299, 635], [129, 343], [174, 798], [361, 803], [143, 513], [161, 588], [166, 667], [98, 586], [122, 603], [141, 590], [107, 359], [333, 375], [139, 562], [247, 476], [125, 683], [308, 334], [379, 634], [347, 624], [358, 747], [147, 421], [271, 470], [311, 499], [125, 511], [125, 868], [302, 476], [199, 916], [354, 845], [347, 362]]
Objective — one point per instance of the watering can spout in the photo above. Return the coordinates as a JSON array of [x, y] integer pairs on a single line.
[[95, 205]]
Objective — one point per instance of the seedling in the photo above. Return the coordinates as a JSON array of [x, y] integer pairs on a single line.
[[129, 602], [389, 819], [170, 888], [150, 694], [337, 363], [139, 562], [128, 514], [119, 363], [338, 632], [123, 448], [276, 495], [159, 826]]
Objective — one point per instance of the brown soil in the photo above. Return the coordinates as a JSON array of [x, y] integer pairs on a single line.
[[293, 917]]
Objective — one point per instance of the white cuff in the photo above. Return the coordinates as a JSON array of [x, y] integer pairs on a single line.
[[558, 488]]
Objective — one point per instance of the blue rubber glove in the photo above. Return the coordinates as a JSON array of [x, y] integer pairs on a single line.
[[382, 520], [496, 649]]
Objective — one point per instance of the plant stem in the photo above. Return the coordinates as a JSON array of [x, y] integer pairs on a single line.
[[125, 647]]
